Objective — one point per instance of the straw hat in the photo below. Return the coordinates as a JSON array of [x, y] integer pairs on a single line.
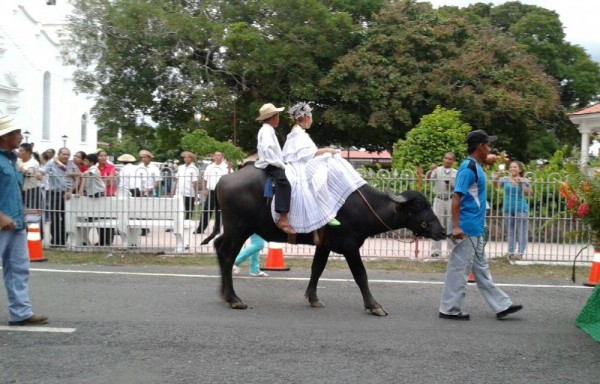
[[143, 152], [267, 111], [7, 125], [126, 158], [188, 153]]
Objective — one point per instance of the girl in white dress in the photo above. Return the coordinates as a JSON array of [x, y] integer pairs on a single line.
[[321, 179]]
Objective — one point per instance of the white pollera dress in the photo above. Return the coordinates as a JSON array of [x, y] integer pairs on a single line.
[[320, 184]]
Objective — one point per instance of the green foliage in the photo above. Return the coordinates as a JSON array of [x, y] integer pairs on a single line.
[[414, 58], [168, 60], [371, 68], [540, 33], [436, 134], [199, 143]]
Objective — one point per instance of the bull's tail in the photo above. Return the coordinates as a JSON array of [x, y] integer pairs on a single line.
[[217, 228]]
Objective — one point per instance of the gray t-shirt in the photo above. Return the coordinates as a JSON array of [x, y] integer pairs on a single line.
[[443, 179]]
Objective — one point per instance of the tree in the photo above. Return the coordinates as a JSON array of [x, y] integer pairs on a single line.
[[199, 143], [414, 58], [539, 32], [438, 133], [170, 59]]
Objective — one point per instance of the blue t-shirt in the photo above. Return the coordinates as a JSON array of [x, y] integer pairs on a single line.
[[11, 180], [514, 200], [471, 183]]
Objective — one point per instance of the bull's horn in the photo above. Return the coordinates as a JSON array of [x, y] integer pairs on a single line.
[[397, 199]]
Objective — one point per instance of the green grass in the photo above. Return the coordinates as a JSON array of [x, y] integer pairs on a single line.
[[499, 267]]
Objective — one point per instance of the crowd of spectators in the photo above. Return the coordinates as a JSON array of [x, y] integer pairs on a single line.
[[54, 177]]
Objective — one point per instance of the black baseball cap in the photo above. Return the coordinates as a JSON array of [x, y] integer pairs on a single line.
[[479, 137]]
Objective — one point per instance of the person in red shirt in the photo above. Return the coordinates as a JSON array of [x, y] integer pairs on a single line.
[[108, 172]]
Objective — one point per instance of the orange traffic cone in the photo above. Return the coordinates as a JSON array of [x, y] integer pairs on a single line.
[[275, 258], [34, 242], [471, 278], [594, 271]]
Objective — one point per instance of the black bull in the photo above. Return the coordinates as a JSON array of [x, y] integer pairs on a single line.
[[365, 213]]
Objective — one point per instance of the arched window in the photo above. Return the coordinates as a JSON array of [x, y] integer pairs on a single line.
[[84, 125], [46, 107]]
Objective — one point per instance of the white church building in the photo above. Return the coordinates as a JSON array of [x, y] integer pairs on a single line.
[[35, 86]]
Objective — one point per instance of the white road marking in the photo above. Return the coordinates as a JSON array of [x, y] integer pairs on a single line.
[[37, 328], [322, 279]]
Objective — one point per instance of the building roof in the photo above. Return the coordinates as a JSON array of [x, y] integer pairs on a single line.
[[588, 110], [385, 155]]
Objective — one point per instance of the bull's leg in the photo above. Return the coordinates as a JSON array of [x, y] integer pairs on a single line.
[[360, 276], [227, 249], [318, 266]]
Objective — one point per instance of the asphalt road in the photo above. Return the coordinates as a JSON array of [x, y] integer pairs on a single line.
[[168, 325]]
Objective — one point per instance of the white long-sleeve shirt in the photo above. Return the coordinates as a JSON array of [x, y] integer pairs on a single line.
[[268, 148]]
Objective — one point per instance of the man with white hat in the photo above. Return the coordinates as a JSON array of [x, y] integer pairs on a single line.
[[13, 235], [149, 173], [270, 158], [127, 175]]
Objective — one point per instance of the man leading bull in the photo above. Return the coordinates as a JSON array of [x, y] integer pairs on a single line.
[[468, 231]]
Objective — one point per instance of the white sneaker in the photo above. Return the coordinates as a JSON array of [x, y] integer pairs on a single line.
[[235, 270], [259, 274]]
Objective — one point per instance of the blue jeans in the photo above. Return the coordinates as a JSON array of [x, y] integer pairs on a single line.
[[516, 225], [252, 251], [467, 256], [15, 270]]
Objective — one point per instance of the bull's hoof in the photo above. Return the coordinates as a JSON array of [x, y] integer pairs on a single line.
[[238, 305], [377, 311], [316, 304]]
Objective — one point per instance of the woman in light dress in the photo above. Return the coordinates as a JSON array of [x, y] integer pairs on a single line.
[[321, 178]]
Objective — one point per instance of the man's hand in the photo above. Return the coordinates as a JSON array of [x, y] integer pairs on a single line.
[[457, 233], [6, 223]]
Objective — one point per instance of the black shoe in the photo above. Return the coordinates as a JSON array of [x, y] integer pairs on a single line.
[[458, 316], [508, 311]]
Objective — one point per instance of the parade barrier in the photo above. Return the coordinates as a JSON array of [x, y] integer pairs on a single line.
[[275, 258], [594, 276], [127, 215], [34, 242]]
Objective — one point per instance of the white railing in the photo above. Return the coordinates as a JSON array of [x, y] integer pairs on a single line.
[[547, 233]]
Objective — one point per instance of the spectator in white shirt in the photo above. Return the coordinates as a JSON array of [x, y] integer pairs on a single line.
[[128, 179], [186, 182], [270, 158], [149, 172], [210, 178]]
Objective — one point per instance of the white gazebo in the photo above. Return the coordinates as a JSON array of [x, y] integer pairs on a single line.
[[588, 123]]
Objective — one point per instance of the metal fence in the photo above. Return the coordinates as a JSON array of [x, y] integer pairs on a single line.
[[548, 227]]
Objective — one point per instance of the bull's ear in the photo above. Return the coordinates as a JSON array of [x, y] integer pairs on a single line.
[[397, 199]]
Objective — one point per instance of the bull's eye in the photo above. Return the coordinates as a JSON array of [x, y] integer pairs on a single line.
[[423, 224]]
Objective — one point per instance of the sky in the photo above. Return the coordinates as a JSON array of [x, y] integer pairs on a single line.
[[579, 19]]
